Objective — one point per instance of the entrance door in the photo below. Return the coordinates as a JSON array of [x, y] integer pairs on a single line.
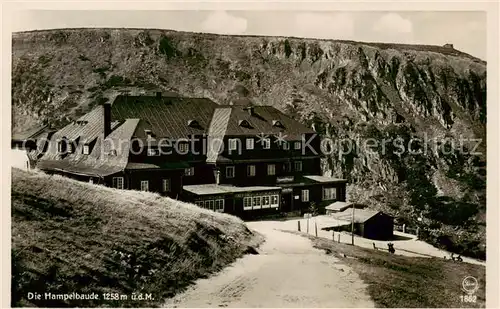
[[286, 201]]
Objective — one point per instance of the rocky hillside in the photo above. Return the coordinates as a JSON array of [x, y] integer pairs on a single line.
[[348, 91]]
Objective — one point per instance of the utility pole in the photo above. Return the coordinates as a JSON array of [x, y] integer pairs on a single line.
[[352, 225]]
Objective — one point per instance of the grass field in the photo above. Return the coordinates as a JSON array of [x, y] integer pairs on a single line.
[[408, 282], [69, 236]]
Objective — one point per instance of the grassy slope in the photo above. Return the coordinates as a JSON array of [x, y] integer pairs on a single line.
[[408, 282], [69, 236]]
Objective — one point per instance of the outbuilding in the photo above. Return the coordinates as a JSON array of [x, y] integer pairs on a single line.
[[368, 223]]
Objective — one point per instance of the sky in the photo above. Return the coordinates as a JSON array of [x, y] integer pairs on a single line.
[[466, 30]]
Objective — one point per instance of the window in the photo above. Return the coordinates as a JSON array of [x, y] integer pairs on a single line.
[[305, 195], [266, 143], [165, 185], [251, 170], [86, 149], [70, 147], [183, 148], [256, 200], [233, 144], [249, 143], [215, 205], [266, 201], [288, 166], [219, 205], [153, 152], [247, 203], [297, 145], [189, 171], [286, 146], [230, 171], [271, 169], [298, 166], [144, 185], [118, 182], [329, 194], [61, 146], [274, 200]]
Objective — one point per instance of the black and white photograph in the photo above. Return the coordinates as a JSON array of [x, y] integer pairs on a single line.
[[262, 156]]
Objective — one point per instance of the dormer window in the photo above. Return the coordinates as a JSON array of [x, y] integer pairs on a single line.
[[277, 123], [112, 152], [86, 149], [193, 123], [81, 122], [244, 124], [286, 146], [297, 145], [62, 145]]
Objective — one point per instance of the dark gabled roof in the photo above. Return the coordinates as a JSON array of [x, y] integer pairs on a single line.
[[261, 122], [166, 117], [176, 165], [101, 161], [360, 215]]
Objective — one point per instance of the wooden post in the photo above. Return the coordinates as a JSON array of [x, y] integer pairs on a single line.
[[316, 228], [338, 237], [352, 225], [404, 228], [307, 225], [333, 235], [298, 224]]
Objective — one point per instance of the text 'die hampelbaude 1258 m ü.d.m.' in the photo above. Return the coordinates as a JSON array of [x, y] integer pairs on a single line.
[[89, 296]]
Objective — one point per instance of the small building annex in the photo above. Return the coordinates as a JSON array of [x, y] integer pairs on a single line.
[[368, 223]]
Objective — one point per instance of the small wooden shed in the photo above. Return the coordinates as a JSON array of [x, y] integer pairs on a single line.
[[368, 223]]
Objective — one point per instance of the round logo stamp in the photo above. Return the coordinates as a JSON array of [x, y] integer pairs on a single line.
[[470, 285]]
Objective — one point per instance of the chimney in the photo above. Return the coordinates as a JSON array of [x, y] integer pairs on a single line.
[[158, 94], [107, 118]]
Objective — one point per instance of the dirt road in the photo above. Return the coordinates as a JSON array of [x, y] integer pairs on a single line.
[[287, 272]]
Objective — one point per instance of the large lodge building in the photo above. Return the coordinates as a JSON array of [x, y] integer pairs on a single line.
[[242, 160]]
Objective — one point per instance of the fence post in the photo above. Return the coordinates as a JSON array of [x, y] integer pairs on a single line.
[[333, 235], [338, 237], [404, 228], [316, 228], [298, 224]]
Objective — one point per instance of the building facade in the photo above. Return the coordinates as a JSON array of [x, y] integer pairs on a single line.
[[243, 160]]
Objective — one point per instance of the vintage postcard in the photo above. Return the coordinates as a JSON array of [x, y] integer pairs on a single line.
[[250, 154]]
